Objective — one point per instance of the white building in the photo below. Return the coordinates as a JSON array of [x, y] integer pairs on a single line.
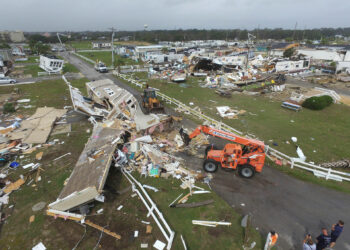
[[292, 66], [141, 51], [324, 54], [51, 63], [277, 52], [161, 58], [101, 45], [231, 60]]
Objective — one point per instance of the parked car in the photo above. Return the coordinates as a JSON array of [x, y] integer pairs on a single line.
[[7, 80]]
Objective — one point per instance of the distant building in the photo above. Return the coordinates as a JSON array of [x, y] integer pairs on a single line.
[[12, 36], [322, 54], [18, 51], [292, 66], [101, 45], [6, 60], [51, 63], [47, 34], [163, 58], [141, 51]]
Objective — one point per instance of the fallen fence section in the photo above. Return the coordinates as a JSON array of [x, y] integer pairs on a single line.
[[318, 171], [152, 208]]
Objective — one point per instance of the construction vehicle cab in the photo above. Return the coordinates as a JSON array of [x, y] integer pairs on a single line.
[[150, 101], [248, 159]]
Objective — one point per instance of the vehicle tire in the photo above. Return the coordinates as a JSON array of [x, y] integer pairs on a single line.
[[246, 171], [210, 147], [12, 82], [210, 166]]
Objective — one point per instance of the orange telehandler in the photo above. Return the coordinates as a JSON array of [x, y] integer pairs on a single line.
[[248, 159]]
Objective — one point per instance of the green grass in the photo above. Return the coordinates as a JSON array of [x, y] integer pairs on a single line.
[[106, 57], [180, 219], [52, 93], [32, 70], [81, 44], [69, 68], [80, 84], [17, 232], [31, 59]]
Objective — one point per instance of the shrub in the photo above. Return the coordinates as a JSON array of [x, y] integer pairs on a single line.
[[317, 102], [9, 108]]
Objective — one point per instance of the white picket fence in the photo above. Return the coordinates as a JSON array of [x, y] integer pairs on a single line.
[[318, 171]]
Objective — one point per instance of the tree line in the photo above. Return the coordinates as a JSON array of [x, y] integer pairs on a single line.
[[155, 36]]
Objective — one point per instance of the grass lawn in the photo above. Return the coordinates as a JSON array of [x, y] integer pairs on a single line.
[[81, 44], [80, 84], [323, 135], [69, 68], [31, 59], [106, 57], [135, 43], [32, 70], [17, 232]]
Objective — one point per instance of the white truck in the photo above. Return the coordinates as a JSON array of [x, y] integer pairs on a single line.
[[101, 67]]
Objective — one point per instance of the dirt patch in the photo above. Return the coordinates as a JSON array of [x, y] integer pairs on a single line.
[[216, 231]]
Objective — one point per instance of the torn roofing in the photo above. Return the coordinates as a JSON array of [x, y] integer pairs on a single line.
[[93, 174]]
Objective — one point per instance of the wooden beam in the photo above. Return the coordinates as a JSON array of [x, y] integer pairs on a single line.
[[106, 231]]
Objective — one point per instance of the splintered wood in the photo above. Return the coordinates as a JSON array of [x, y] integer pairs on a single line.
[[13, 186], [106, 231]]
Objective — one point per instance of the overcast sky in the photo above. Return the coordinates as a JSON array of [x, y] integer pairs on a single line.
[[78, 15]]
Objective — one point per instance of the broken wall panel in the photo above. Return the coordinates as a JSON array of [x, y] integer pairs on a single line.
[[37, 128], [89, 175]]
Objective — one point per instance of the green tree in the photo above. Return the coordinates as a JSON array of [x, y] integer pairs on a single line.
[[324, 41], [165, 50], [289, 52], [38, 47], [118, 61], [5, 46]]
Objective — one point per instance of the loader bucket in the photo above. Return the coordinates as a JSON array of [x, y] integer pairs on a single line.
[[185, 137]]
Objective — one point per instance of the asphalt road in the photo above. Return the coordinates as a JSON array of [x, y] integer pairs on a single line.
[[314, 85], [275, 200]]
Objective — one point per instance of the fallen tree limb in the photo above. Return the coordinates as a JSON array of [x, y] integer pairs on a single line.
[[193, 204]]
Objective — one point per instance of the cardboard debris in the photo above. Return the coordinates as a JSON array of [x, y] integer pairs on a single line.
[[31, 218], [39, 156], [148, 229]]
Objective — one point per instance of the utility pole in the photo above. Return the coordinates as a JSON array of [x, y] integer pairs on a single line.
[[112, 46], [295, 30]]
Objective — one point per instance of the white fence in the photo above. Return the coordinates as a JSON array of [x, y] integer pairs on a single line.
[[327, 173], [84, 57], [152, 208], [44, 73]]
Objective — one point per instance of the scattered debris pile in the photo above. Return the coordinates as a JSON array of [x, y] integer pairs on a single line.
[[337, 164]]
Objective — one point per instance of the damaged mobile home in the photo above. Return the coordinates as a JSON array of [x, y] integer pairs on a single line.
[[106, 102]]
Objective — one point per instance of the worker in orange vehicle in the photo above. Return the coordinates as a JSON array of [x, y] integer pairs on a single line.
[[273, 239]]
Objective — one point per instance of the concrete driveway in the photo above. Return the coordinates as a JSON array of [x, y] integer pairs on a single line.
[[275, 200]]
